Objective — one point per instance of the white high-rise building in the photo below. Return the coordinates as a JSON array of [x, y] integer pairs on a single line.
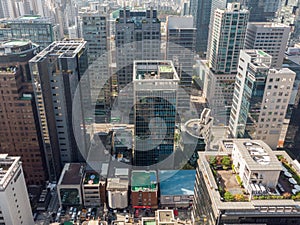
[[227, 38], [261, 97], [270, 37], [14, 202]]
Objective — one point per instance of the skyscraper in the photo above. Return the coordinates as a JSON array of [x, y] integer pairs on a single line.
[[261, 10], [19, 131], [95, 33], [261, 97], [201, 12], [181, 39], [155, 86], [137, 38], [56, 72], [14, 205], [289, 14], [270, 37], [227, 38], [40, 30]]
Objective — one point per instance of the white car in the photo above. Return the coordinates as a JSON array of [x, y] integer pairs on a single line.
[[126, 219], [71, 211]]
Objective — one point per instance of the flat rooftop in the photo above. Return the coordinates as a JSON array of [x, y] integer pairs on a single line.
[[257, 154], [91, 178], [72, 174], [268, 24], [117, 184], [68, 48], [123, 137], [143, 181], [8, 167], [270, 203], [165, 216], [154, 70], [177, 182], [14, 43], [180, 22], [30, 19]]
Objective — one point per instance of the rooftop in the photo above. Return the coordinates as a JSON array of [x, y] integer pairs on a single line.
[[268, 24], [218, 181], [154, 69], [14, 43], [143, 181], [257, 154], [123, 137], [117, 184], [180, 22], [8, 167], [165, 216], [68, 48], [177, 182], [72, 174], [16, 47], [195, 127], [29, 19], [91, 178]]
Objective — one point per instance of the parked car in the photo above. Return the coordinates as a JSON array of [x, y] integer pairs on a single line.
[[126, 219], [71, 211]]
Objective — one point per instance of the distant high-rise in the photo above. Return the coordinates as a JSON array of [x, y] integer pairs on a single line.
[[14, 205], [261, 97], [289, 14], [56, 72], [201, 12], [137, 38], [155, 86], [94, 32], [227, 38], [19, 131], [270, 37], [261, 10], [185, 8], [181, 40], [40, 30], [7, 9]]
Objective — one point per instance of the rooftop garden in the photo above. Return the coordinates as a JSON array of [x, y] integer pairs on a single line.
[[286, 177], [91, 178], [230, 187]]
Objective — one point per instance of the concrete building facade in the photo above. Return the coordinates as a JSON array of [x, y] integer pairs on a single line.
[[40, 30], [144, 189], [19, 131], [181, 42], [137, 38], [14, 204], [270, 37], [261, 98], [260, 207], [56, 72], [227, 38]]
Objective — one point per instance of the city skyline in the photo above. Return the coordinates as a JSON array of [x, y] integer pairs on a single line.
[[115, 110]]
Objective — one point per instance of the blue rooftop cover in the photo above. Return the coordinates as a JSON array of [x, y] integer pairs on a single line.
[[177, 182]]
